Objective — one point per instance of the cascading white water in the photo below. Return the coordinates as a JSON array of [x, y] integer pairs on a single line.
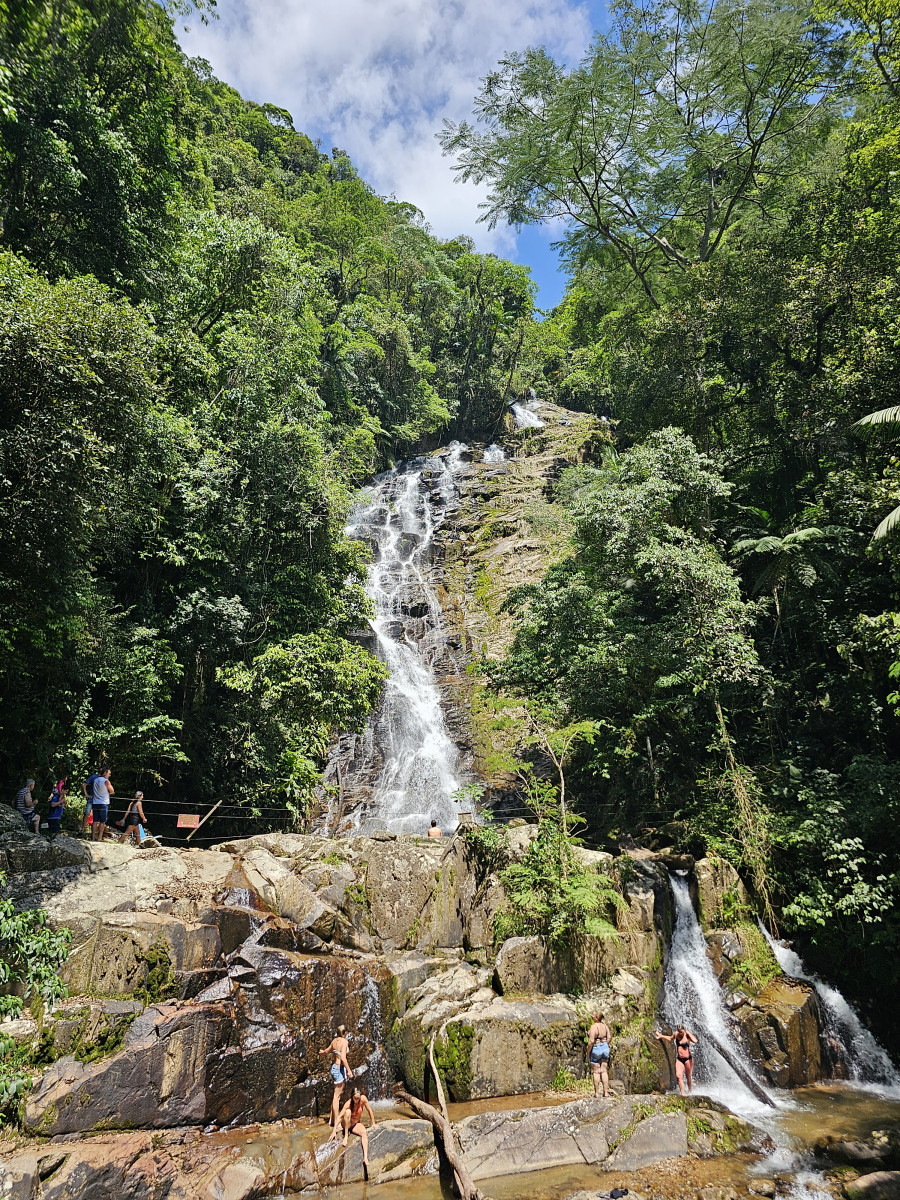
[[371, 1028], [525, 418], [692, 997], [419, 775], [494, 454], [867, 1062]]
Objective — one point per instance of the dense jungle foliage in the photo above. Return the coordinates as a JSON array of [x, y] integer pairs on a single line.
[[210, 334], [728, 179]]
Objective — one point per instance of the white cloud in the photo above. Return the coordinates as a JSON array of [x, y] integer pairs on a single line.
[[376, 77]]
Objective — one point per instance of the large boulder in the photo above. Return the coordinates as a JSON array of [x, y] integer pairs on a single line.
[[720, 892], [618, 1134], [527, 965], [662, 1135], [397, 1149], [161, 1078], [878, 1185], [780, 1030], [26, 852], [509, 1047], [118, 956]]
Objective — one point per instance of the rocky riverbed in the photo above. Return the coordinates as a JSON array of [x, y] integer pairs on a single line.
[[203, 984]]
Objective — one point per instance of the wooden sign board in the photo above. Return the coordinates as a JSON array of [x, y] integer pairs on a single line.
[[188, 820]]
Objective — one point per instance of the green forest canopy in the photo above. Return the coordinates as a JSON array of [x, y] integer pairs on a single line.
[[728, 178], [211, 333]]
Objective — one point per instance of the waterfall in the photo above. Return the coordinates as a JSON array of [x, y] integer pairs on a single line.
[[419, 776], [525, 418], [692, 997], [494, 454], [866, 1061], [371, 1028]]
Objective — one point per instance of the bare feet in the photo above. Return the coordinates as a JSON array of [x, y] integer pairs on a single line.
[[344, 1142]]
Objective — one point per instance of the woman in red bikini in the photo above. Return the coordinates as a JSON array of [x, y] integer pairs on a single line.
[[350, 1117], [684, 1055]]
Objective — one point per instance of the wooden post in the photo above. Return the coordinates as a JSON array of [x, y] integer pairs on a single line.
[[206, 818]]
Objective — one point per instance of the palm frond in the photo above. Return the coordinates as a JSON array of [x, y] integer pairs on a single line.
[[888, 525], [803, 535], [884, 416]]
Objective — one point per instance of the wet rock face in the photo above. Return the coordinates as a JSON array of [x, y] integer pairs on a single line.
[[781, 1031], [250, 1054]]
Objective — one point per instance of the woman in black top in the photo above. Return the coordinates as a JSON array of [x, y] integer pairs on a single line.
[[684, 1055], [134, 816]]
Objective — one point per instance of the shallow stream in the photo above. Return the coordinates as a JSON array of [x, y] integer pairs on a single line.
[[808, 1115]]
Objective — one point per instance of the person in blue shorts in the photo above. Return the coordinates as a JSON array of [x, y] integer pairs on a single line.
[[97, 791], [340, 1070], [598, 1053]]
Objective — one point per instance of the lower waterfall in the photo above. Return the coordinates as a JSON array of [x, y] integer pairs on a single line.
[[866, 1062], [692, 997]]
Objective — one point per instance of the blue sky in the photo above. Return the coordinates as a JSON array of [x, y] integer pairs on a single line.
[[376, 77]]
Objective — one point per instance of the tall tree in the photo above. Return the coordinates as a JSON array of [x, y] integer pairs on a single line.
[[685, 123]]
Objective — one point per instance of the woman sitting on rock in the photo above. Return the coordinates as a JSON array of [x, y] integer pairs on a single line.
[[350, 1117]]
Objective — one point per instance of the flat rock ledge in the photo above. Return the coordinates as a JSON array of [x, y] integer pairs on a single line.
[[254, 1161]]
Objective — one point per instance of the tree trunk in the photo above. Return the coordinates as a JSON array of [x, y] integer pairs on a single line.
[[742, 1073], [444, 1134]]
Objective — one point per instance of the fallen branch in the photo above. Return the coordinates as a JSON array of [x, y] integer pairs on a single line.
[[742, 1073], [437, 1080], [444, 1134]]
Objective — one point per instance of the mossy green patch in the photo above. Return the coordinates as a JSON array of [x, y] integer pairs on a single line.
[[453, 1056], [160, 982], [758, 965]]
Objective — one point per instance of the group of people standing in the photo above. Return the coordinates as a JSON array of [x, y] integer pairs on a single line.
[[98, 792], [26, 806]]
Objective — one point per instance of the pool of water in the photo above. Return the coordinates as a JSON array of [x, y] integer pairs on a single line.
[[806, 1116]]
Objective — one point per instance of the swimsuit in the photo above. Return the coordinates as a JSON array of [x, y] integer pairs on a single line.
[[338, 1073], [356, 1109], [688, 1056]]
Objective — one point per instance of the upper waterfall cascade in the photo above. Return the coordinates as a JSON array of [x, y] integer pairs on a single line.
[[420, 773], [692, 997], [867, 1062], [525, 418]]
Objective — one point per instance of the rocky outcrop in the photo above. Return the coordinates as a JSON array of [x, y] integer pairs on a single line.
[[246, 1050], [781, 1029], [620, 1134], [248, 956], [260, 1160]]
